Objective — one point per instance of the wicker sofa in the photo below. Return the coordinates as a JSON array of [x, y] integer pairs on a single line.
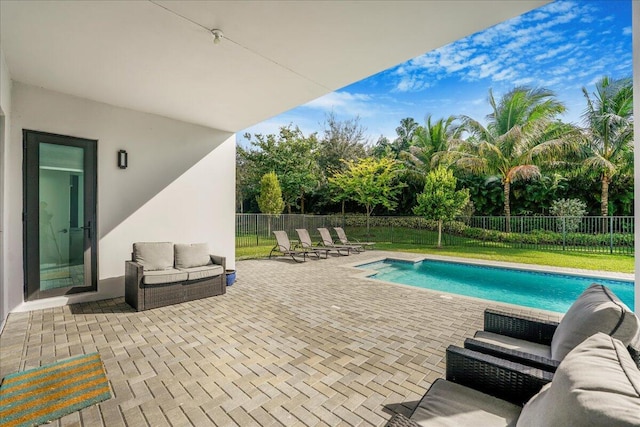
[[161, 274]]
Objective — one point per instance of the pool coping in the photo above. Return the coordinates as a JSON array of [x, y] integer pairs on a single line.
[[365, 274]]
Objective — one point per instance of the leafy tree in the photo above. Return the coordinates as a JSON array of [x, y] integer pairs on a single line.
[[292, 157], [440, 201], [521, 133], [537, 196], [370, 182], [270, 198], [609, 132], [621, 195], [341, 140], [382, 148], [241, 180], [406, 131], [486, 194]]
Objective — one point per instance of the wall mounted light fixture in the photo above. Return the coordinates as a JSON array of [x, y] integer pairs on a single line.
[[217, 36], [123, 159]]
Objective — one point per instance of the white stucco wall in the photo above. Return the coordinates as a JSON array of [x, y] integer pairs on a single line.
[[179, 186], [5, 117]]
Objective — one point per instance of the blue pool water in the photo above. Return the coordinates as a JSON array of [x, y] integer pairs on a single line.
[[547, 291]]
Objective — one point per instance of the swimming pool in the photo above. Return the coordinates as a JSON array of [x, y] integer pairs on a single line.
[[547, 291]]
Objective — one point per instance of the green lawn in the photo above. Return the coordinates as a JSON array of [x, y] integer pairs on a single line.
[[253, 252], [587, 261]]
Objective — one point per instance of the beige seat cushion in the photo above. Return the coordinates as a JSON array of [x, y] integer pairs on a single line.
[[192, 255], [597, 309], [597, 384], [159, 277], [448, 404], [153, 255], [514, 343], [196, 273]]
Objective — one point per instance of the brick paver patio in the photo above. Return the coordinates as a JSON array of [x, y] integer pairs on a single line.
[[289, 344]]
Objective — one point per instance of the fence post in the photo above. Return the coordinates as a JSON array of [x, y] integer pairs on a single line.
[[564, 233], [257, 234], [392, 241], [610, 234]]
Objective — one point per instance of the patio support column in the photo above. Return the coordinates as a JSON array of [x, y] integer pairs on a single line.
[[636, 164]]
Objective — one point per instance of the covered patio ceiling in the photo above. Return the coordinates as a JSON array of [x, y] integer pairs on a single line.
[[159, 56]]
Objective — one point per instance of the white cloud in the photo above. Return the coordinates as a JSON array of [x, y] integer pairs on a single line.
[[354, 104], [487, 69], [349, 105], [560, 71], [505, 74], [523, 81], [538, 15], [560, 7], [627, 31], [411, 83], [552, 53]]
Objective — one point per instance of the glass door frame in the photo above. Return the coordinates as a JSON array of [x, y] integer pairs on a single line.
[[31, 214]]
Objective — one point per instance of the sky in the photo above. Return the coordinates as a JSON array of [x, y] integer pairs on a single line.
[[563, 46]]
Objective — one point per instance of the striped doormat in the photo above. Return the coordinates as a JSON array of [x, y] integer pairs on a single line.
[[52, 391]]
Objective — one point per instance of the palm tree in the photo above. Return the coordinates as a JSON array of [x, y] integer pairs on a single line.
[[521, 133], [608, 143], [430, 139], [433, 137], [405, 133]]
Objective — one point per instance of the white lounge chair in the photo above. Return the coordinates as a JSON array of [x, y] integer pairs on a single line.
[[342, 236], [306, 244], [328, 242], [283, 245]]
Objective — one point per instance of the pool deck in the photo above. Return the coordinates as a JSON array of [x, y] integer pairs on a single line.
[[310, 344]]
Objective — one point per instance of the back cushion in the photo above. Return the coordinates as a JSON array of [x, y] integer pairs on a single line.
[[153, 255], [597, 384], [597, 309], [192, 255]]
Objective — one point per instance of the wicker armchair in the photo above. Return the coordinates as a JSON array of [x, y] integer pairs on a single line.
[[511, 382], [484, 390], [525, 328], [529, 329]]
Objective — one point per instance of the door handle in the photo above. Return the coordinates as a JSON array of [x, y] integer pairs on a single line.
[[88, 228]]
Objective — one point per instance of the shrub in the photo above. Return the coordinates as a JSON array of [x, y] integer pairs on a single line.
[[572, 210]]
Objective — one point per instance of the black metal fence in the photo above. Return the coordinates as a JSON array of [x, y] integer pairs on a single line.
[[586, 234], [255, 229]]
